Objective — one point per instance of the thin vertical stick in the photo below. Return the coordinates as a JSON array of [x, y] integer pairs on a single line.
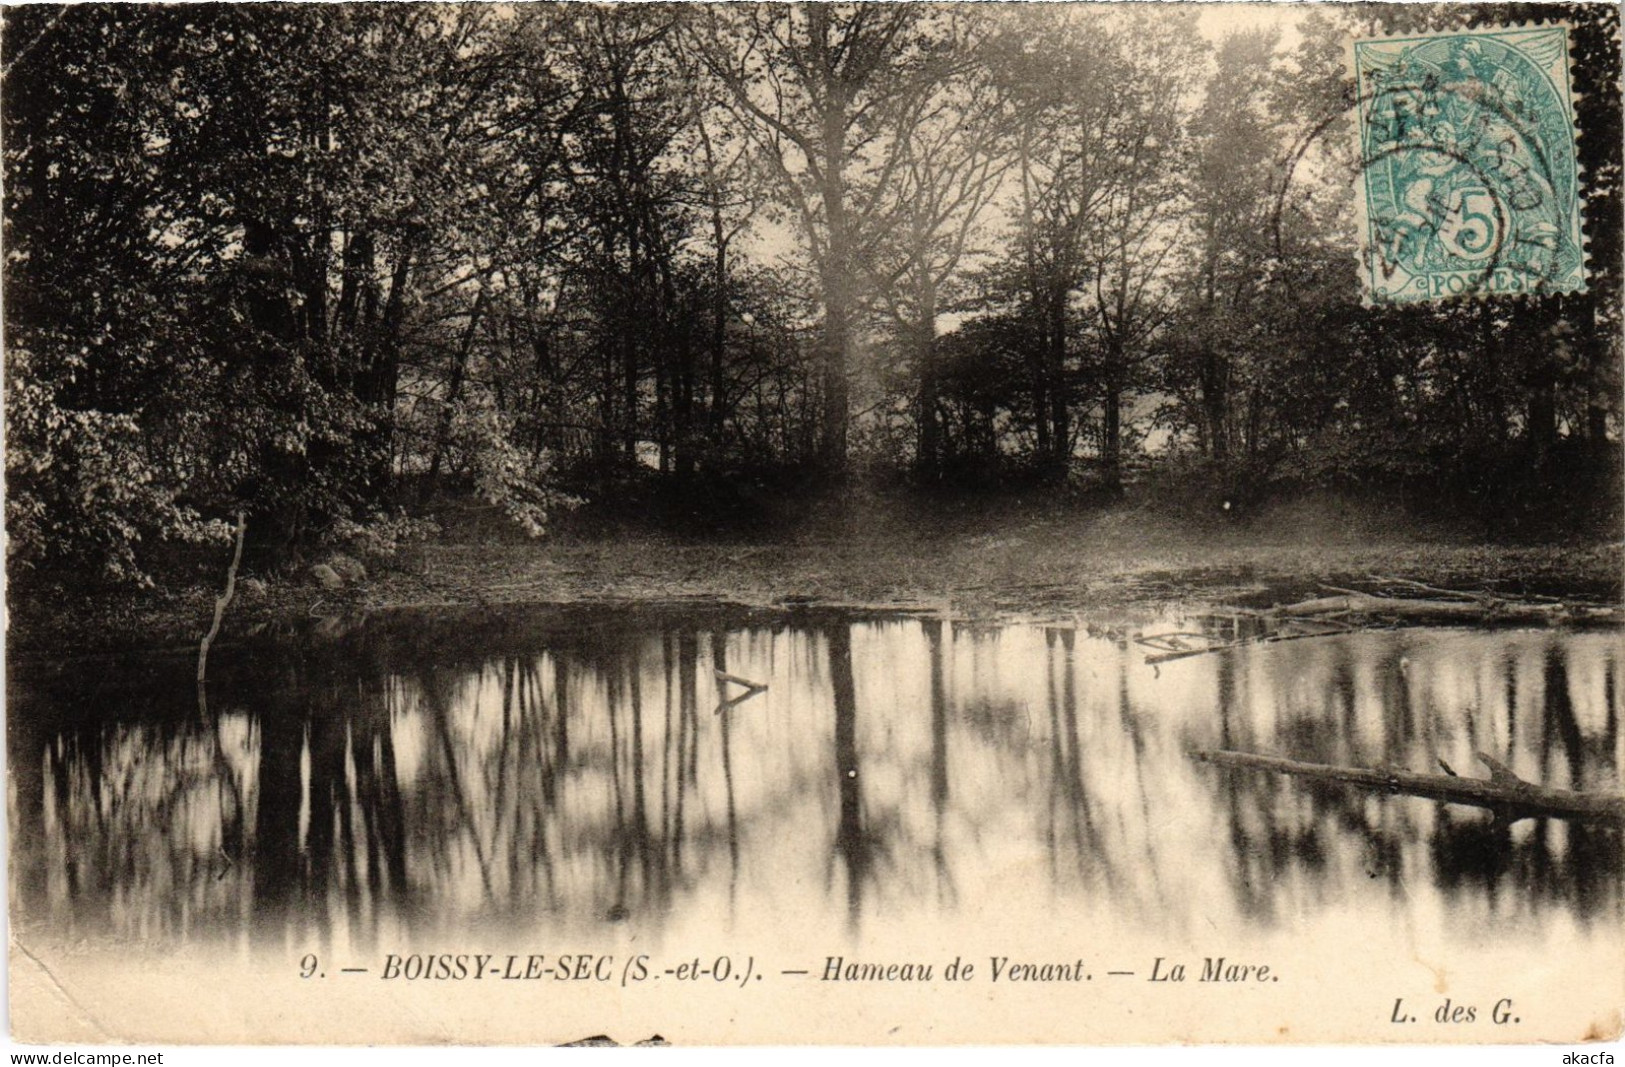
[[221, 602]]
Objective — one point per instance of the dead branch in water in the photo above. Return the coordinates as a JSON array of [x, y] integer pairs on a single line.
[[724, 676], [727, 703], [1169, 645], [220, 604], [1266, 639], [1503, 792], [1175, 646], [1352, 609], [1423, 587]]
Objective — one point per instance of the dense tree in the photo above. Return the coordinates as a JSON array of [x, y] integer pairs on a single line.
[[954, 154], [322, 263], [1128, 256], [1237, 155], [830, 93], [1097, 105]]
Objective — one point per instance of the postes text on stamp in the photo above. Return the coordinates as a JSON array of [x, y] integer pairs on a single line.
[[1468, 181]]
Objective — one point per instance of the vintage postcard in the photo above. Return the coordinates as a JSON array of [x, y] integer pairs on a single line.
[[852, 524]]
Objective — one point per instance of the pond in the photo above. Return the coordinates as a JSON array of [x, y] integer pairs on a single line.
[[589, 773]]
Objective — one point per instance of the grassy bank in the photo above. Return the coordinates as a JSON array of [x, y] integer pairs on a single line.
[[1123, 561]]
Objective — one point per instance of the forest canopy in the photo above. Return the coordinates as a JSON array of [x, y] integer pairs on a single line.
[[320, 264]]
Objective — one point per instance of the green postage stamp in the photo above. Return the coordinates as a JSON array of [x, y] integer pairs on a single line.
[[1468, 181]]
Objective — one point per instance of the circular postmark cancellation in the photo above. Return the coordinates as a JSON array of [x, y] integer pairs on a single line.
[[1469, 184]]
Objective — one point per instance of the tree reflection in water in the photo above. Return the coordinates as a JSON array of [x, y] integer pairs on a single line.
[[414, 775]]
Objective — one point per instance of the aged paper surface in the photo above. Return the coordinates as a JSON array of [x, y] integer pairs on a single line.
[[816, 825]]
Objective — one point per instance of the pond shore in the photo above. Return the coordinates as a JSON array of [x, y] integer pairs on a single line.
[[1117, 564]]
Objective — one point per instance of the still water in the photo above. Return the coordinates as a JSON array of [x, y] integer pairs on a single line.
[[583, 771]]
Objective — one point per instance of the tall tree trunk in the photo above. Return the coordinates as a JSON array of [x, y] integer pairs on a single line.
[[608, 345], [837, 393], [1594, 351], [1111, 418], [1255, 421], [314, 282], [357, 303], [930, 429], [1060, 407], [929, 450], [275, 320], [1214, 404], [1038, 368], [715, 411], [719, 296], [454, 390], [683, 403], [384, 373], [665, 389], [836, 274], [1038, 355], [1542, 414], [1537, 341], [629, 371], [676, 355]]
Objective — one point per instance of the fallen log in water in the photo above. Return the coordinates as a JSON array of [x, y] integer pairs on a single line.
[[1510, 797], [1417, 609], [1367, 604]]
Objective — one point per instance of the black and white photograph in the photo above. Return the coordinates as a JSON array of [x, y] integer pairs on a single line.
[[782, 524]]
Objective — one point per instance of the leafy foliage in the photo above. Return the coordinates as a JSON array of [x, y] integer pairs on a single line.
[[328, 262]]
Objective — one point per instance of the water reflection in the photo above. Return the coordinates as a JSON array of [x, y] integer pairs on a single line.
[[573, 772]]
